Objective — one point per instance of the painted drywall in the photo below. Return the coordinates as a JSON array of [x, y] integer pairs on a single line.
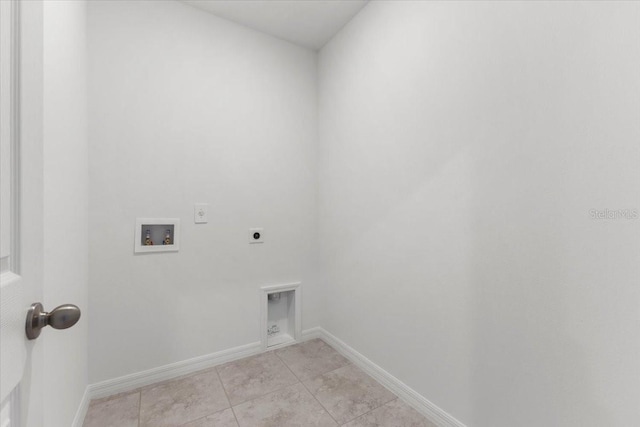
[[65, 238], [189, 108], [306, 23], [462, 148]]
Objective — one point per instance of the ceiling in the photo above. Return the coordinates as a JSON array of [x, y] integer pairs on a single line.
[[308, 23]]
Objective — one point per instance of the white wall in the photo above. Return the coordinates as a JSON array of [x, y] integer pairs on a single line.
[[185, 108], [65, 238], [462, 146]]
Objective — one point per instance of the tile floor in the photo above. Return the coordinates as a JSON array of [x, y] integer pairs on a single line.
[[307, 384]]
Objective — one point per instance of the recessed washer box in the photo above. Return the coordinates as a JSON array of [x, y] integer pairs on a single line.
[[157, 235], [281, 309]]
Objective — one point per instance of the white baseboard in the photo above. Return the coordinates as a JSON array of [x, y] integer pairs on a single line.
[[78, 420], [162, 373], [140, 379], [432, 412], [313, 333], [167, 372]]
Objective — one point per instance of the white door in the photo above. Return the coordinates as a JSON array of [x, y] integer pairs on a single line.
[[13, 346], [21, 215]]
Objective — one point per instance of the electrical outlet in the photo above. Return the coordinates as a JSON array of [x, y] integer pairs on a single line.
[[256, 235]]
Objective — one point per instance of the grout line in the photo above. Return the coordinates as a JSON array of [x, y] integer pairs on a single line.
[[370, 411], [223, 388], [227, 396], [262, 395], [267, 393], [205, 416], [306, 388], [320, 403], [201, 418], [197, 419], [298, 381], [404, 399], [139, 406], [333, 370], [396, 397], [234, 415], [271, 391], [114, 396], [324, 373], [287, 366]]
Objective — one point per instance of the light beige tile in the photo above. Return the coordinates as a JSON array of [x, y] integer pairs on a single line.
[[115, 396], [219, 419], [292, 406], [120, 411], [310, 359], [348, 393], [394, 414], [176, 402], [254, 376]]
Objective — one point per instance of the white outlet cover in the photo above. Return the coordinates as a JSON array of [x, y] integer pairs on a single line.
[[256, 235], [200, 211]]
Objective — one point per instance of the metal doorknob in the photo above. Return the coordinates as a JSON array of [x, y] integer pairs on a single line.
[[61, 317]]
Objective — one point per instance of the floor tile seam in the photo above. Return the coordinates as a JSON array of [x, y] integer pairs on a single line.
[[197, 419], [320, 403], [287, 366], [305, 387], [395, 397], [180, 377], [263, 395], [205, 416], [370, 411], [227, 396], [234, 415], [114, 396], [215, 412], [184, 376], [272, 391], [139, 406], [328, 372]]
